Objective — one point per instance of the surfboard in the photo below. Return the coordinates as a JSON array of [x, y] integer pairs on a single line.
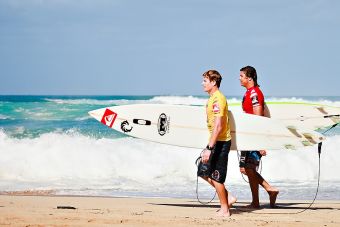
[[293, 114], [185, 126]]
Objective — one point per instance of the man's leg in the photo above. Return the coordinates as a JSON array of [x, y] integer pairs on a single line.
[[231, 199], [223, 197], [254, 180], [254, 187], [272, 191]]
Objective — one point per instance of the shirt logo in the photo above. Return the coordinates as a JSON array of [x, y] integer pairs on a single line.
[[255, 100], [216, 108], [108, 118]]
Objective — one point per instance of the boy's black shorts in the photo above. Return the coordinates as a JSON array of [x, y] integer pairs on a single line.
[[216, 168]]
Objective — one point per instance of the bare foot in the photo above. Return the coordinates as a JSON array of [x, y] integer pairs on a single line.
[[223, 213], [272, 198], [231, 200]]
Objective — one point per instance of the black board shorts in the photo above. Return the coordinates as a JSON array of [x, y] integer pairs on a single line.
[[216, 168]]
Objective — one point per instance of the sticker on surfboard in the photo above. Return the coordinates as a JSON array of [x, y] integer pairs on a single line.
[[141, 122], [108, 118], [163, 124], [125, 126]]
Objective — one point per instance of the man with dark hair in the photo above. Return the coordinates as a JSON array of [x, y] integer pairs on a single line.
[[253, 103], [215, 155]]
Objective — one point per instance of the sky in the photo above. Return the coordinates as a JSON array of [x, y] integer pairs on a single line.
[[154, 47]]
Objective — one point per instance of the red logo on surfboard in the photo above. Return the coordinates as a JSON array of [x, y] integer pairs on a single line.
[[109, 118]]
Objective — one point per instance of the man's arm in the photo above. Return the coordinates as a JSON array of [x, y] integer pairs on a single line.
[[216, 131], [258, 110]]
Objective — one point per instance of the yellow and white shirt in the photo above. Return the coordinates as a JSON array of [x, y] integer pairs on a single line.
[[217, 107]]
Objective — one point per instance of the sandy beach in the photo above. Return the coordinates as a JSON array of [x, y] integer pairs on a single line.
[[37, 210]]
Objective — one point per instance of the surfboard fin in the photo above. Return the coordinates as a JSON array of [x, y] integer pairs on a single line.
[[322, 110], [306, 143], [310, 139], [294, 131], [290, 146]]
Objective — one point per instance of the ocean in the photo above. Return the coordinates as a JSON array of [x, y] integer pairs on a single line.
[[51, 143]]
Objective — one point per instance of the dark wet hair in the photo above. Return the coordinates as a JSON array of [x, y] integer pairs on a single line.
[[213, 75], [250, 72]]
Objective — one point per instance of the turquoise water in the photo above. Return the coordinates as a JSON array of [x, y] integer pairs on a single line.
[[51, 143], [32, 116]]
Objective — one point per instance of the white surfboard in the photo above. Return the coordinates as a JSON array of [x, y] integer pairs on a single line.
[[306, 115], [186, 126]]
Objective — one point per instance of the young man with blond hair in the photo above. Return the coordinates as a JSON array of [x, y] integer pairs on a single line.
[[215, 155]]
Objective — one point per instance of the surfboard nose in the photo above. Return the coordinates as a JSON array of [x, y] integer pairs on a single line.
[[97, 114]]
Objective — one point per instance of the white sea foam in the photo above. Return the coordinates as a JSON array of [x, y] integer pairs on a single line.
[[303, 164], [179, 100], [70, 161], [312, 100], [36, 113], [201, 100], [183, 100], [83, 118], [97, 102], [19, 110], [86, 101], [19, 130], [4, 117]]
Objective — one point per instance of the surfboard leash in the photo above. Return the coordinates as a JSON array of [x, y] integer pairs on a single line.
[[319, 173], [317, 188], [319, 155], [333, 126], [316, 193], [198, 199], [203, 203]]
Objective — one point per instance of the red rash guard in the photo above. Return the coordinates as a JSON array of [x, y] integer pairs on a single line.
[[252, 98]]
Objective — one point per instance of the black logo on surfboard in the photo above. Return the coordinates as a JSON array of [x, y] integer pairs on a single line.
[[163, 124], [125, 126], [141, 122]]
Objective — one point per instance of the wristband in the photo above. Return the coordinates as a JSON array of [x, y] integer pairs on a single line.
[[210, 148]]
